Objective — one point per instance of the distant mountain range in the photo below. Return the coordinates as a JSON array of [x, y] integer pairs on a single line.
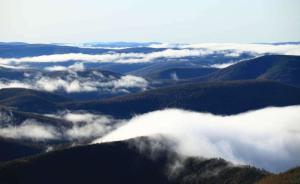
[[18, 50], [116, 45], [116, 60]]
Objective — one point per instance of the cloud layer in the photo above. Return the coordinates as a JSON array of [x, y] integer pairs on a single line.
[[172, 51], [110, 57], [236, 49], [267, 138]]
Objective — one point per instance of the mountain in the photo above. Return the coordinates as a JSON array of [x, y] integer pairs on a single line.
[[29, 50], [11, 149], [30, 100], [122, 162], [146, 68], [289, 177], [214, 97], [117, 44], [180, 73], [10, 116], [202, 61], [280, 68], [12, 74]]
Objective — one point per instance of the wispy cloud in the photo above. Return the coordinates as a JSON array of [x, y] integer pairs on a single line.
[[30, 129], [223, 65], [83, 125], [14, 84], [76, 67], [86, 125]]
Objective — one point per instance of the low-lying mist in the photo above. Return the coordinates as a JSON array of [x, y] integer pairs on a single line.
[[267, 138]]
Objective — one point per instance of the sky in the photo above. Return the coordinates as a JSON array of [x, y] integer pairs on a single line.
[[173, 21]]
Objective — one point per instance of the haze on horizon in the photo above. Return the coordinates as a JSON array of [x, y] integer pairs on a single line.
[[190, 21]]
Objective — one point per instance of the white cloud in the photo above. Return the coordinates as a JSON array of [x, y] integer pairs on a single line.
[[86, 125], [78, 85], [89, 130], [113, 57], [71, 82], [72, 56], [13, 66], [14, 84], [267, 138], [130, 81], [80, 117], [56, 68], [223, 65], [29, 129], [70, 86], [75, 67]]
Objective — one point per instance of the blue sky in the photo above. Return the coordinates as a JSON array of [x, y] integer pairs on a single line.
[[185, 21]]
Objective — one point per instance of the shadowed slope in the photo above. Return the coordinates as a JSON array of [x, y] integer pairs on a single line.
[[284, 69], [121, 162], [215, 97]]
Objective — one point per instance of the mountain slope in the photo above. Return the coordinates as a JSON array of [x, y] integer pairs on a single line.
[[30, 100], [180, 73], [214, 97], [12, 74], [10, 116], [18, 50], [290, 177], [104, 163], [76, 83], [11, 150], [284, 69]]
